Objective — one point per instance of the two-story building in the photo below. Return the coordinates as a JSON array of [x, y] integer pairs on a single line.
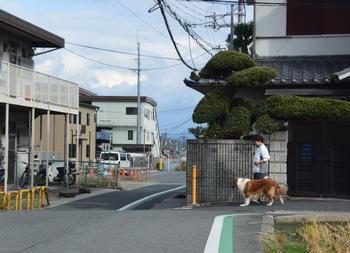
[[86, 120], [308, 42], [117, 123], [26, 94]]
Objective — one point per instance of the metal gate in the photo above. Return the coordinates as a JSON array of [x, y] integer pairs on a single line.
[[318, 160], [217, 162]]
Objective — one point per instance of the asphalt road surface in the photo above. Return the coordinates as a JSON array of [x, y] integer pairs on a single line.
[[119, 199]]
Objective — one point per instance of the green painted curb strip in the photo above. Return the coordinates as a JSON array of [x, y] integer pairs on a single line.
[[226, 239]]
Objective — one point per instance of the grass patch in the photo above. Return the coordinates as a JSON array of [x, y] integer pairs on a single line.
[[311, 237]]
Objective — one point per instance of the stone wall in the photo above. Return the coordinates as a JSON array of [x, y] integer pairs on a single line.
[[278, 153]]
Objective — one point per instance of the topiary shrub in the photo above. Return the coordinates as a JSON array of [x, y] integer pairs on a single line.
[[238, 122], [242, 102], [266, 125], [300, 108], [214, 106], [251, 77], [224, 63]]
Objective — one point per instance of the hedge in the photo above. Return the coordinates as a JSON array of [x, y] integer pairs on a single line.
[[300, 108], [238, 121], [266, 125], [214, 106], [252, 77], [224, 63]]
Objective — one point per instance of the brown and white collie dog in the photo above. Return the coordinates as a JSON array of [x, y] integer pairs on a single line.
[[254, 188]]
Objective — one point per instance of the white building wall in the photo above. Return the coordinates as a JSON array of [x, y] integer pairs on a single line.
[[113, 114], [272, 40]]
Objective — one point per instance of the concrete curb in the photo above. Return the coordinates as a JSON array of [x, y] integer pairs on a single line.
[[319, 217], [267, 225]]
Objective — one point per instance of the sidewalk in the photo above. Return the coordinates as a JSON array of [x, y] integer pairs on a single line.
[[240, 231]]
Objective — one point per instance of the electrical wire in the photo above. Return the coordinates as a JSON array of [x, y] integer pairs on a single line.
[[125, 68], [146, 22], [99, 62], [122, 52], [160, 3]]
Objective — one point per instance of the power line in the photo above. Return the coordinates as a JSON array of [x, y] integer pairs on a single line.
[[121, 52], [160, 4], [99, 62], [144, 21], [125, 68], [261, 3]]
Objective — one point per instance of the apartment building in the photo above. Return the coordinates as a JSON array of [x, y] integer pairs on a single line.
[[117, 123], [26, 94]]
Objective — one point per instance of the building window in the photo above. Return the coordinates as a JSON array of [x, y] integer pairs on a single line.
[[79, 118], [72, 119], [88, 151], [72, 150], [147, 113], [130, 135], [83, 129], [95, 117], [88, 119], [131, 110]]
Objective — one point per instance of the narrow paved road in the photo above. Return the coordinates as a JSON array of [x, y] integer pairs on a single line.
[[119, 199]]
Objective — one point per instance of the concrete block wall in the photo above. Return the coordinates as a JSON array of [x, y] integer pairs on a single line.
[[278, 153]]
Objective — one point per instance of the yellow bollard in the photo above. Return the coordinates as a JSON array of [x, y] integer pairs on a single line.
[[194, 185], [161, 163]]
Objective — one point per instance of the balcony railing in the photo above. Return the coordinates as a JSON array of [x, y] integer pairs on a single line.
[[28, 85]]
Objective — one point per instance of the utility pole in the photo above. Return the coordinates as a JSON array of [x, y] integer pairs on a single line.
[[138, 133], [240, 12], [232, 28], [216, 26]]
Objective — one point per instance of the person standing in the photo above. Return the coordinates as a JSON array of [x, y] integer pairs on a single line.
[[261, 158]]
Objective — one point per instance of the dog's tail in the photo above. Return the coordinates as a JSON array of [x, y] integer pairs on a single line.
[[282, 190]]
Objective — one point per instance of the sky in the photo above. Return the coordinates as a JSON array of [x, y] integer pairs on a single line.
[[118, 25]]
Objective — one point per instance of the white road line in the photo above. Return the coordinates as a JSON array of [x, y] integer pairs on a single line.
[[147, 198]]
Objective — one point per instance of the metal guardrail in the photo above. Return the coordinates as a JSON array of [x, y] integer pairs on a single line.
[[217, 162], [13, 200]]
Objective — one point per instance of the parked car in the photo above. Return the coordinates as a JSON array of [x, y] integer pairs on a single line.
[[113, 157]]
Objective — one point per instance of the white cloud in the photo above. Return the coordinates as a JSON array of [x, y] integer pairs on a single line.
[[112, 78]]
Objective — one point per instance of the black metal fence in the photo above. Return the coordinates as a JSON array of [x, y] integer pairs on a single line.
[[217, 162]]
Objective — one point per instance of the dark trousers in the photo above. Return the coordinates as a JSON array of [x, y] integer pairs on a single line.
[[259, 175]]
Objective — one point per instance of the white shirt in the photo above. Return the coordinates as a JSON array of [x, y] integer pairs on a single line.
[[261, 154]]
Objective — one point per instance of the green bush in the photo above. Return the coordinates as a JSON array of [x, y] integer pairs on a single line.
[[224, 63], [238, 122], [252, 77], [213, 107], [299, 108], [242, 102], [265, 124]]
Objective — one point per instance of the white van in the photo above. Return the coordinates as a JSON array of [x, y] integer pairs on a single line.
[[113, 157]]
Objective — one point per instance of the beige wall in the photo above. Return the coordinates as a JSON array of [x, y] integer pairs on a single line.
[[57, 128]]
